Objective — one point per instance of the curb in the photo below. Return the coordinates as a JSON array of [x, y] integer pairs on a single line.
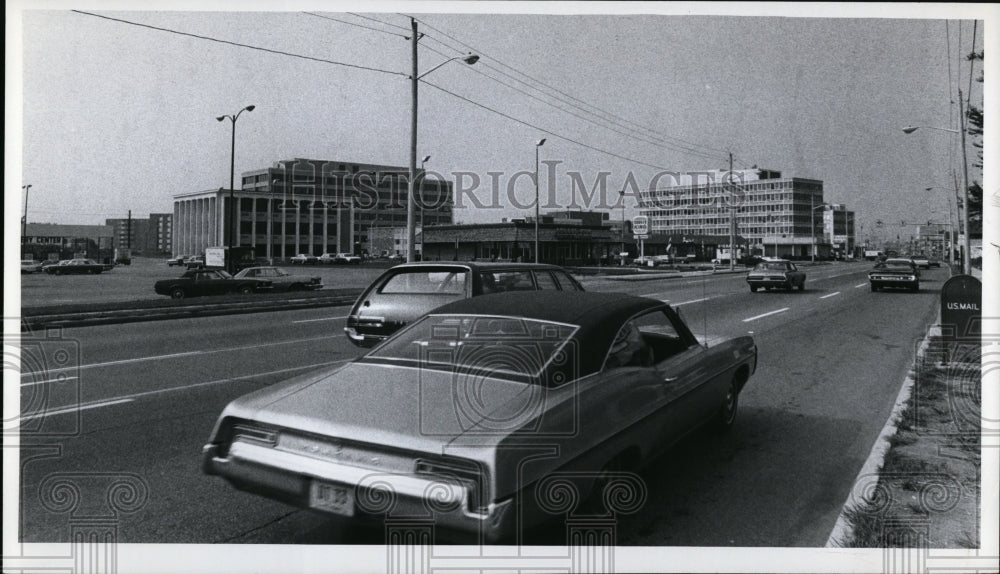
[[842, 530], [115, 316]]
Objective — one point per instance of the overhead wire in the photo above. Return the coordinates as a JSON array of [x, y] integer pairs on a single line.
[[239, 44], [354, 24], [558, 91]]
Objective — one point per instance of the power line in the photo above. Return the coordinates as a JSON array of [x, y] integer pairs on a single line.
[[403, 28], [543, 130], [634, 124], [238, 44], [354, 24], [611, 128]]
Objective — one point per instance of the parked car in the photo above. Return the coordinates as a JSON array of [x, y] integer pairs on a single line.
[[199, 282], [178, 261], [327, 258], [894, 273], [408, 291], [446, 419], [775, 274], [304, 259], [78, 267], [282, 280], [195, 262], [345, 258], [30, 266]]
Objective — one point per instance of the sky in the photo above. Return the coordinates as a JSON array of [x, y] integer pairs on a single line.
[[120, 116]]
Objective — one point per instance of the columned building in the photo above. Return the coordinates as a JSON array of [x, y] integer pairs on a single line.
[[775, 216], [306, 206]]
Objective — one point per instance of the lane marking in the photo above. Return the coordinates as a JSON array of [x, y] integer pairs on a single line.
[[320, 319], [184, 354], [765, 315], [77, 408], [132, 397], [861, 285], [830, 295], [47, 381], [691, 301]]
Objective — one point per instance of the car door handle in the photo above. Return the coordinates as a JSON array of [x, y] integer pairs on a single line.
[[670, 379]]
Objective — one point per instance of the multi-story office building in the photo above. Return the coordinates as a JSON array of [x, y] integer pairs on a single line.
[[306, 206], [773, 215], [838, 229], [149, 236]]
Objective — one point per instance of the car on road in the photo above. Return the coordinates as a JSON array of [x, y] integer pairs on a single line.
[[933, 262], [488, 415], [407, 291], [78, 267], [894, 273], [921, 261], [200, 282], [30, 266], [346, 258], [178, 261], [304, 259], [776, 274], [282, 280]]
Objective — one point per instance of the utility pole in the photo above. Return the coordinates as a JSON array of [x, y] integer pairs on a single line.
[[966, 257]]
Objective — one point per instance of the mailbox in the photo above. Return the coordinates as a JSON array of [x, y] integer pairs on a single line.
[[961, 307]]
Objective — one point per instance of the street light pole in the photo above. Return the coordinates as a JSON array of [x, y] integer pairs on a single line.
[[538, 144], [24, 220], [812, 223], [411, 234], [423, 176], [232, 168], [964, 214]]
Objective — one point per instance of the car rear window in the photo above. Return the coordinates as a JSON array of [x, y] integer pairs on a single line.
[[502, 281], [509, 347], [422, 281], [545, 280], [565, 281]]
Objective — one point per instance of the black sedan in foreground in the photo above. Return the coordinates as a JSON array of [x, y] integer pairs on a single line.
[[198, 282], [895, 273], [487, 415], [408, 291]]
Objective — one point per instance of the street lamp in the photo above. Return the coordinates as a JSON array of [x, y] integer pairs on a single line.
[[621, 194], [411, 233], [423, 176], [24, 220], [812, 223], [232, 167], [964, 217], [538, 144]]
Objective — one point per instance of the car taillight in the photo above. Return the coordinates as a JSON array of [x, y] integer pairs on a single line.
[[466, 473], [256, 434]]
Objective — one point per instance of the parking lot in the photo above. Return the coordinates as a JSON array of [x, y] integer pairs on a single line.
[[135, 282]]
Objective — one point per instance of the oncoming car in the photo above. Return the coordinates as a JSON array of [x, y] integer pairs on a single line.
[[895, 273], [405, 292], [469, 416]]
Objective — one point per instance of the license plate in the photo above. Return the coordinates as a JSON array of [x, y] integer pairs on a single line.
[[334, 498]]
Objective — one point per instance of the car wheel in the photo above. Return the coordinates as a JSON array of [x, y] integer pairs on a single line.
[[874, 289], [730, 406], [802, 286], [915, 288], [177, 293], [753, 288], [245, 290]]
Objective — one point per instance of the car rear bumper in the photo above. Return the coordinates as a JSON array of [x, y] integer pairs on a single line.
[[768, 281], [378, 494]]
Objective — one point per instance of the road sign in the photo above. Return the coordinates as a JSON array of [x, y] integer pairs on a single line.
[[642, 236], [640, 225]]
